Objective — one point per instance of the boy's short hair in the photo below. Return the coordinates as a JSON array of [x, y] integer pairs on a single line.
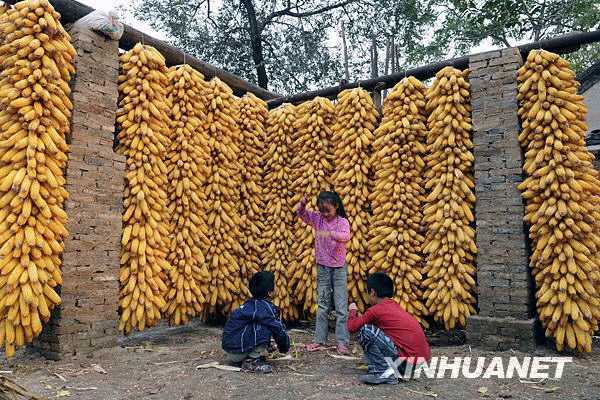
[[261, 284], [381, 284]]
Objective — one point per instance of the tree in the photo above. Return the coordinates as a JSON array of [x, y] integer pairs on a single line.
[[413, 32], [295, 45], [399, 30], [280, 44], [511, 22]]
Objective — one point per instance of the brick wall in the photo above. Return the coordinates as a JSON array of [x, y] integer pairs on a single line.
[[503, 276], [87, 317]]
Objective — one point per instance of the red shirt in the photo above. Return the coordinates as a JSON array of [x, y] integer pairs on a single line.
[[397, 324]]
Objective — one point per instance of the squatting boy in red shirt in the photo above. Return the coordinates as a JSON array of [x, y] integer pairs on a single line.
[[386, 330]]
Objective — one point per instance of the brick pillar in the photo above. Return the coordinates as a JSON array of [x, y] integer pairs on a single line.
[[505, 290], [87, 318]]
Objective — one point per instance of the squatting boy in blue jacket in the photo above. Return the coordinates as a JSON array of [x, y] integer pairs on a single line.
[[247, 333]]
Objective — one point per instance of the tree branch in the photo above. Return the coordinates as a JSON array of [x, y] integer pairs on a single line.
[[297, 14], [271, 50]]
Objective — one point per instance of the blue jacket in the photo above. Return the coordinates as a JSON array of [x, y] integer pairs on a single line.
[[252, 325]]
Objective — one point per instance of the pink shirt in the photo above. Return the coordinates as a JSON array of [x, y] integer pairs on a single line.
[[330, 251]]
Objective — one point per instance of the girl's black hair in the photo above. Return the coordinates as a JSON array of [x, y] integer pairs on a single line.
[[332, 198]]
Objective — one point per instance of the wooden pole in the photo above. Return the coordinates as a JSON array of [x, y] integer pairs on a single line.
[[387, 63], [376, 94], [393, 55], [345, 47]]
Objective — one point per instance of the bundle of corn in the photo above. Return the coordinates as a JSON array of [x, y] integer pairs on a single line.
[[187, 175], [223, 196], [278, 225], [143, 119], [395, 239], [563, 207], [311, 169], [252, 120], [450, 240], [356, 117], [36, 60]]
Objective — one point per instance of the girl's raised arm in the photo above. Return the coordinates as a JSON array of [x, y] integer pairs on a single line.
[[309, 217]]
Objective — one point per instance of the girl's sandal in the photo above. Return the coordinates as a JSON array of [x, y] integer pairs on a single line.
[[314, 347], [343, 349]]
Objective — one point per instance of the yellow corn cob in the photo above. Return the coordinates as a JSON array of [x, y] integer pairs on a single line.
[[563, 208], [143, 118], [395, 232], [223, 196], [449, 245], [280, 218], [35, 113], [252, 121], [311, 169], [187, 172], [356, 118]]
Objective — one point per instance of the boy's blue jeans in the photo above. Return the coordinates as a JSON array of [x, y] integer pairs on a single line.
[[376, 346]]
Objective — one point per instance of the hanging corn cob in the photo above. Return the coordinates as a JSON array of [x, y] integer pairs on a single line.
[[450, 241], [280, 218], [356, 118], [143, 119], [311, 169], [36, 64], [563, 207], [223, 196], [252, 120], [187, 173], [395, 239]]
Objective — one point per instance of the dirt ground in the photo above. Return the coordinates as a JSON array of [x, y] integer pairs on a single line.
[[161, 364]]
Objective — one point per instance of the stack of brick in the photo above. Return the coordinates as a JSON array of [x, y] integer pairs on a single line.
[[504, 280], [87, 318]]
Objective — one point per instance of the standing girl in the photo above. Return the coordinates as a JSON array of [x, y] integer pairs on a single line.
[[332, 232]]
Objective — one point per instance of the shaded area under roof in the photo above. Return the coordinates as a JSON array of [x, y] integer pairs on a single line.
[[589, 77]]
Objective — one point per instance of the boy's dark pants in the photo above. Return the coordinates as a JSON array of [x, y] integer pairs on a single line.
[[377, 346], [257, 352]]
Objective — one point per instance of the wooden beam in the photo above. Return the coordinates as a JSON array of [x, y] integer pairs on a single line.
[[72, 10], [174, 56]]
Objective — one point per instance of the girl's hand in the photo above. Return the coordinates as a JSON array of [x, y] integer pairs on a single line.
[[323, 234], [352, 307]]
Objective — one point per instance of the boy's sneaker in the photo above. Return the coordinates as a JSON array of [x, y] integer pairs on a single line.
[[257, 365], [372, 379]]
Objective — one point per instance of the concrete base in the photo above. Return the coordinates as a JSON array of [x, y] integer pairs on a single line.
[[500, 334]]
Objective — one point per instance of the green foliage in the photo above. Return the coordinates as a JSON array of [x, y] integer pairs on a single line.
[[584, 57], [508, 22], [301, 49], [295, 50]]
